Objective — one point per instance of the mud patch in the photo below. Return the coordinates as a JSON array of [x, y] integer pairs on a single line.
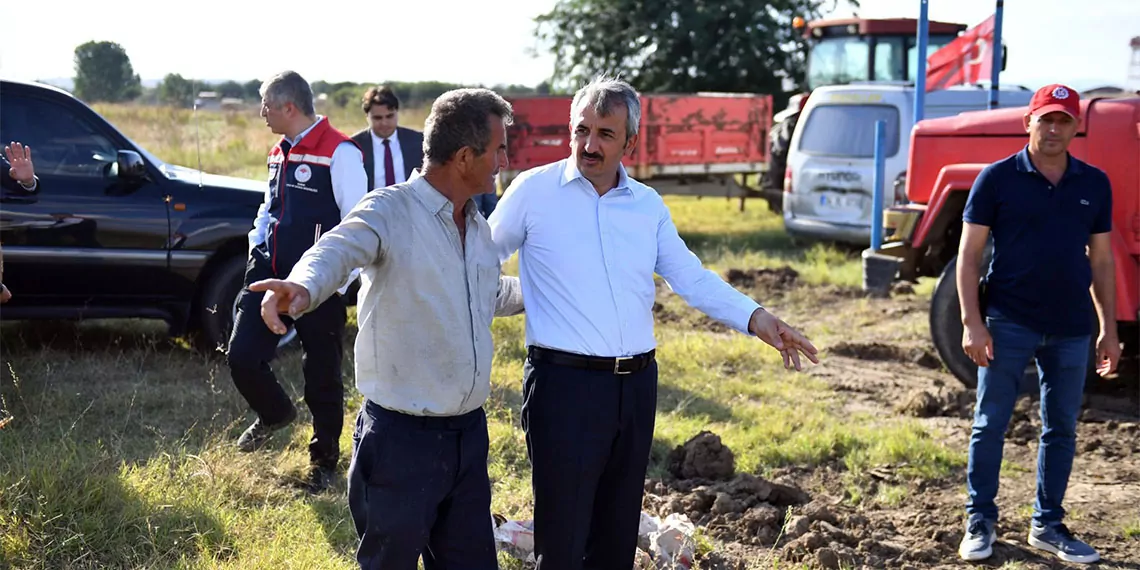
[[899, 288], [704, 456], [712, 325], [766, 279], [939, 402], [663, 314], [746, 509], [888, 352]]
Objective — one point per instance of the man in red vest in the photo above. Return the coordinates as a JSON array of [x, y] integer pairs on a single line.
[[316, 176]]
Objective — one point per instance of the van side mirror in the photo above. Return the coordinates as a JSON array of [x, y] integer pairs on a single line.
[[1004, 56], [130, 166]]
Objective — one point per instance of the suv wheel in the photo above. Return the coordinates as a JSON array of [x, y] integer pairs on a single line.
[[218, 307]]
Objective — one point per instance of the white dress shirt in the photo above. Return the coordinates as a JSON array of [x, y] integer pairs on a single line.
[[424, 344], [587, 262], [349, 184], [378, 158]]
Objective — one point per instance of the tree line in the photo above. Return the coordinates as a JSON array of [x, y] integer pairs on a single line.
[[656, 45], [103, 72]]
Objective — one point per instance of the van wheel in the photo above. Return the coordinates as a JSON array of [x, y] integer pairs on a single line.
[[218, 308]]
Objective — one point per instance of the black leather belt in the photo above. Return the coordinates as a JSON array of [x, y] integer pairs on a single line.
[[616, 365]]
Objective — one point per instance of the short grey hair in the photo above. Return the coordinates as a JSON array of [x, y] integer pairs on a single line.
[[459, 118], [289, 87], [604, 94]]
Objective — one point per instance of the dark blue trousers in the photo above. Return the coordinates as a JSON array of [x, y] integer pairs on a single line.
[[418, 486], [253, 346], [588, 435]]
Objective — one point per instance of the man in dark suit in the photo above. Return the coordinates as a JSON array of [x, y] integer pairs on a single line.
[[391, 152], [17, 175]]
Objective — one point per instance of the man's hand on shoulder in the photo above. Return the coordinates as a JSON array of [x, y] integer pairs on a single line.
[[281, 297], [781, 336]]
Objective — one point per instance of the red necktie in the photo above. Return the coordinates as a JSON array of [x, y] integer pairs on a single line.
[[389, 167]]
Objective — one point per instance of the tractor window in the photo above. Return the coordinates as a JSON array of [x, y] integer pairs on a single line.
[[849, 130], [838, 60], [888, 59]]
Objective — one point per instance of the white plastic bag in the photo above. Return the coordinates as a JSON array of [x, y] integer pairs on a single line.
[[517, 539], [672, 543]]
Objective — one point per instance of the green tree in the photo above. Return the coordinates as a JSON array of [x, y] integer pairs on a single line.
[[680, 45], [252, 89], [103, 72], [231, 88], [176, 90]]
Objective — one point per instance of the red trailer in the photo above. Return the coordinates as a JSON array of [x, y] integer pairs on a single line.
[[687, 144]]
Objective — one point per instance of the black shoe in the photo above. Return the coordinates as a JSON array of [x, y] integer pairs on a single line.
[[318, 479], [257, 434]]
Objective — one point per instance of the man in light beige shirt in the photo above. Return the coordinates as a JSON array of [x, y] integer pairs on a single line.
[[431, 284]]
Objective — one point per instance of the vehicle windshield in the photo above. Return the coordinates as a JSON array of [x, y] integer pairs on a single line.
[[836, 61], [849, 130], [844, 59]]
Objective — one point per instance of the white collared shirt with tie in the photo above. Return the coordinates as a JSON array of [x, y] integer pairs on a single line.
[[587, 262], [378, 158]]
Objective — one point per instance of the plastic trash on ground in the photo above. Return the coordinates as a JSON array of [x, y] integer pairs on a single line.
[[516, 539], [662, 545], [672, 544]]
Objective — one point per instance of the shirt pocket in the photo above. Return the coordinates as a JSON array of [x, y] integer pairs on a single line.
[[487, 290]]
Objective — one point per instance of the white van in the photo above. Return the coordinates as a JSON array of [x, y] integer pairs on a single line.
[[831, 165]]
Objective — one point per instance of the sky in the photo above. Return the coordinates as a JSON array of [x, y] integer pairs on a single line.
[[469, 42]]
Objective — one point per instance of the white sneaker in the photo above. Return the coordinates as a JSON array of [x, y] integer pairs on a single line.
[[978, 542]]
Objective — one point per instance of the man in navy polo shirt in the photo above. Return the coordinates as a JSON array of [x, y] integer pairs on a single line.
[[1043, 207]]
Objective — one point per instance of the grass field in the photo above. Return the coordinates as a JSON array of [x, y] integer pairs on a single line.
[[119, 450]]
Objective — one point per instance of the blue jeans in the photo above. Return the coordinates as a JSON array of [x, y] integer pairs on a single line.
[[1062, 363]]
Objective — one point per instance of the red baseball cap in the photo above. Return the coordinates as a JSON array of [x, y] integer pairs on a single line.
[[1056, 97]]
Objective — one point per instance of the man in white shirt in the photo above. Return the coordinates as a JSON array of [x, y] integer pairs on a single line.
[[431, 284], [391, 152], [590, 239], [316, 176]]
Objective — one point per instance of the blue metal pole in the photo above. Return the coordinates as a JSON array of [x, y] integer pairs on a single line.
[[877, 192], [920, 73], [996, 71]]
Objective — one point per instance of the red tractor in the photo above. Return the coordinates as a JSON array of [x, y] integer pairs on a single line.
[[946, 156]]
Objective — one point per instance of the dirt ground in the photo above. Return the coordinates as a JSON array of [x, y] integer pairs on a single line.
[[887, 366]]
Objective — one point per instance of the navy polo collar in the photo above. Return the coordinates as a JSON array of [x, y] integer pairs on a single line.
[[1073, 168]]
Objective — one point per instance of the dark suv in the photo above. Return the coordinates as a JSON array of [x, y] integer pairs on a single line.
[[115, 232]]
